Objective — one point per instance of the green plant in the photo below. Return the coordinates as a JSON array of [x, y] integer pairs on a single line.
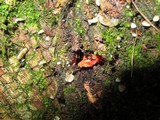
[[78, 27]]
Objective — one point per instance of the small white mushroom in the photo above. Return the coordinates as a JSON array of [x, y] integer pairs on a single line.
[[48, 38], [133, 25], [121, 88], [69, 77], [106, 20], [41, 31], [56, 118], [134, 34], [118, 46], [145, 24], [92, 21], [87, 2], [98, 2], [22, 53], [118, 80], [19, 20], [42, 62], [58, 63], [119, 38], [156, 18]]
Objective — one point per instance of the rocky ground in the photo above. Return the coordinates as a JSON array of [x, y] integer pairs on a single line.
[[79, 60]]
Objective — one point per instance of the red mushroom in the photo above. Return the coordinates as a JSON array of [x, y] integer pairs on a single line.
[[89, 60]]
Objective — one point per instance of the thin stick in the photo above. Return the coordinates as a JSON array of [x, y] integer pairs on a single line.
[[132, 57], [145, 17]]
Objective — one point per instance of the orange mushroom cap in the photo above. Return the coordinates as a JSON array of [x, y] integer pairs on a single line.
[[89, 60]]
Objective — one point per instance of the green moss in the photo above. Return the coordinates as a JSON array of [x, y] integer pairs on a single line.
[[108, 83], [110, 36], [140, 59], [79, 27], [69, 89], [29, 12], [157, 39]]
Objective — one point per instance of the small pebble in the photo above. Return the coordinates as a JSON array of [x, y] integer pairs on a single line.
[[133, 25], [146, 24], [156, 18]]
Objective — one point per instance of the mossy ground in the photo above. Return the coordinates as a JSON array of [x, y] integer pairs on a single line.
[[34, 87]]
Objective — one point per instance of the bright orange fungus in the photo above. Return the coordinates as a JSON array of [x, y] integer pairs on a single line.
[[89, 60]]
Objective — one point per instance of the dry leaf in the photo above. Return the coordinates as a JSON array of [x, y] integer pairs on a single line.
[[91, 97], [95, 92]]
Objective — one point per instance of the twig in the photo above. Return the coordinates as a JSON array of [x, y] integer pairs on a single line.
[[145, 17], [132, 57]]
